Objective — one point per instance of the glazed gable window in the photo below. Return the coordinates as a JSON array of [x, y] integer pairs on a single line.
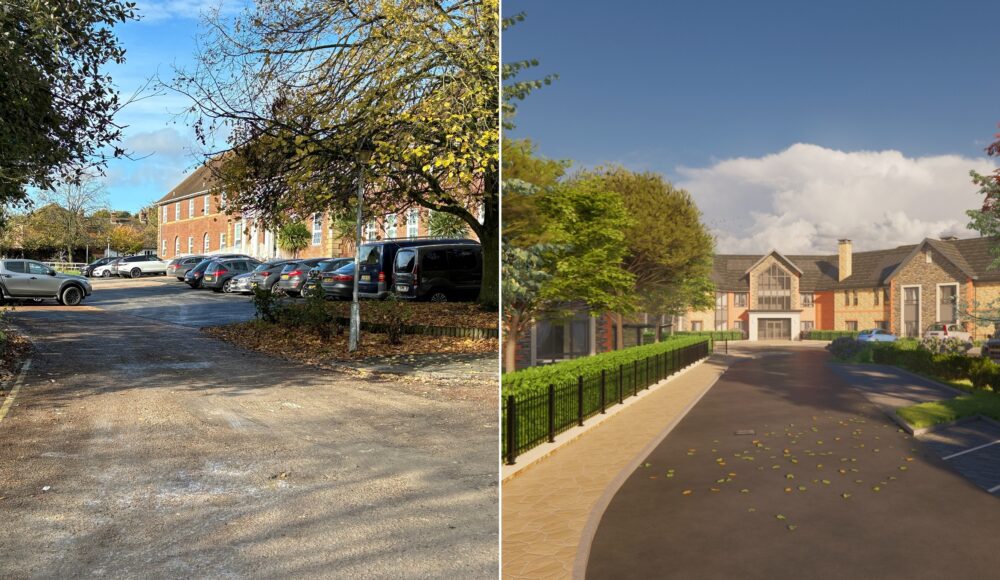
[[774, 289]]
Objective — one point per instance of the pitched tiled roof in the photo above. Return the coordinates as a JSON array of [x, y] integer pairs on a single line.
[[868, 269], [198, 181]]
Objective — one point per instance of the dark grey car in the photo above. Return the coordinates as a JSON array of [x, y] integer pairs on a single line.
[[294, 275], [265, 275], [180, 266], [439, 273], [31, 279]]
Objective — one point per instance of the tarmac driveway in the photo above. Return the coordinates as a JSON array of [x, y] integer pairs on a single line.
[[783, 470], [142, 449]]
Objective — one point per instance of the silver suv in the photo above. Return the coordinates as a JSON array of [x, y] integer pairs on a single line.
[[31, 279]]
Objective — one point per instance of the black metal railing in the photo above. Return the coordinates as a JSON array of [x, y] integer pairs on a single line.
[[529, 421]]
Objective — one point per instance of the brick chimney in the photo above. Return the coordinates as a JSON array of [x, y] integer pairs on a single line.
[[844, 265]]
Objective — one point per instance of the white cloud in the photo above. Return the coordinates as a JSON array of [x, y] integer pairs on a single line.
[[166, 142], [802, 199]]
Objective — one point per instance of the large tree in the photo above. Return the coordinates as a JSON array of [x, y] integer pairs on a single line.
[[668, 249], [300, 88], [56, 104], [69, 227]]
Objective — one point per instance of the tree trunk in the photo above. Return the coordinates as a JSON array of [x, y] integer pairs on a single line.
[[620, 330], [489, 237], [510, 345]]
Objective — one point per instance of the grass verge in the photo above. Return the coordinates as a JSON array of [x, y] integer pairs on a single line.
[[949, 410]]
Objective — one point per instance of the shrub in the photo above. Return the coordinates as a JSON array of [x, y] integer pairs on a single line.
[[394, 319], [847, 348], [537, 379], [984, 373], [829, 334], [265, 305], [949, 345]]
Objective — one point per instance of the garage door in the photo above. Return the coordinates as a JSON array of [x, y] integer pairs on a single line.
[[774, 329]]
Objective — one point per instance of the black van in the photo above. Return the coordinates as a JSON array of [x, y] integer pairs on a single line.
[[440, 272], [377, 260]]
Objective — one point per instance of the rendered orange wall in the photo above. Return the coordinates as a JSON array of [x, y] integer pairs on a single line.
[[824, 310]]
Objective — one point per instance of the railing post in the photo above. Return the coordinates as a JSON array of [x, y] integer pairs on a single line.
[[552, 413], [647, 381], [511, 430], [603, 383], [579, 400], [621, 382], [635, 378]]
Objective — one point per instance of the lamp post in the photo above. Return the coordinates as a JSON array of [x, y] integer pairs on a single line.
[[364, 154]]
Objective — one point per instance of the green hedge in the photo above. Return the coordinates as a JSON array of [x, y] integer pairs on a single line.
[[829, 334], [981, 372], [535, 380], [715, 335]]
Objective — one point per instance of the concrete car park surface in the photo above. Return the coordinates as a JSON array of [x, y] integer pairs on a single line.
[[138, 448], [709, 502]]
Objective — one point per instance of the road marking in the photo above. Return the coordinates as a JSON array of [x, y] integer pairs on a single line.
[[9, 401], [976, 448]]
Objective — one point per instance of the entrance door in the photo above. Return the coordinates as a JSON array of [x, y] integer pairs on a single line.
[[774, 329], [911, 312]]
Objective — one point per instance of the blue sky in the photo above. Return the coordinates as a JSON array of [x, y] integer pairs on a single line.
[[162, 143], [764, 109]]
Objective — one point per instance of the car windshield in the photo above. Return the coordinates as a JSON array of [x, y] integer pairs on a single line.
[[289, 267], [937, 327], [346, 270]]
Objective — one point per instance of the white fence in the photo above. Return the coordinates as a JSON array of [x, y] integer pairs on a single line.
[[63, 266]]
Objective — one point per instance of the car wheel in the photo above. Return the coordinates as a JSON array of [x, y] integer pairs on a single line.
[[180, 278], [135, 273], [438, 296], [227, 287], [106, 274], [71, 296]]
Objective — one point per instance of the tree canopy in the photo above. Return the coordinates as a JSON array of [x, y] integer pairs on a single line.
[[57, 105], [300, 88]]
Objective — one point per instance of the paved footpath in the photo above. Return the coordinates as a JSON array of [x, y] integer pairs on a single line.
[[826, 486], [137, 449], [548, 508]]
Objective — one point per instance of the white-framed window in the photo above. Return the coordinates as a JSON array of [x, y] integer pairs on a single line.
[[166, 213], [370, 231], [317, 229], [222, 241], [947, 302], [164, 251], [238, 234], [205, 201], [177, 211], [852, 325], [720, 325], [806, 298], [191, 208], [806, 325], [740, 299], [190, 244], [695, 326], [177, 245], [412, 222], [206, 242], [741, 326], [390, 226]]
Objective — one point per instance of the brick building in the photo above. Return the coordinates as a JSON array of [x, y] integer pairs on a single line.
[[774, 296], [191, 221]]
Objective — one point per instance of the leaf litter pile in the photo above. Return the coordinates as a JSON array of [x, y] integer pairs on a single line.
[[14, 348], [797, 461]]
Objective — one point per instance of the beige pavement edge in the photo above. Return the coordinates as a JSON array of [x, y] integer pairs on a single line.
[[551, 511]]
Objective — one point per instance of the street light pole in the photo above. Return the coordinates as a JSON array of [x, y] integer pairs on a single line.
[[355, 335]]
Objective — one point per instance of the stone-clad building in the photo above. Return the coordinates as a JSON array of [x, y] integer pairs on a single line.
[[778, 297], [192, 221], [904, 290]]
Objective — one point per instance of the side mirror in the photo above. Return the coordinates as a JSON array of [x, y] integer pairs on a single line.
[[52, 272]]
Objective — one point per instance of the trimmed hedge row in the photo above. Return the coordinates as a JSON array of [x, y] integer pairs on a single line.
[[536, 380], [981, 372], [715, 335], [829, 334]]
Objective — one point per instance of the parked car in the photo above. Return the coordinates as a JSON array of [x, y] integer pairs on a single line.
[[178, 267], [876, 335], [377, 259], [339, 284], [240, 284], [141, 265], [294, 275], [88, 270], [439, 273], [193, 276], [265, 275], [941, 330], [219, 273], [111, 268], [31, 279], [313, 278]]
